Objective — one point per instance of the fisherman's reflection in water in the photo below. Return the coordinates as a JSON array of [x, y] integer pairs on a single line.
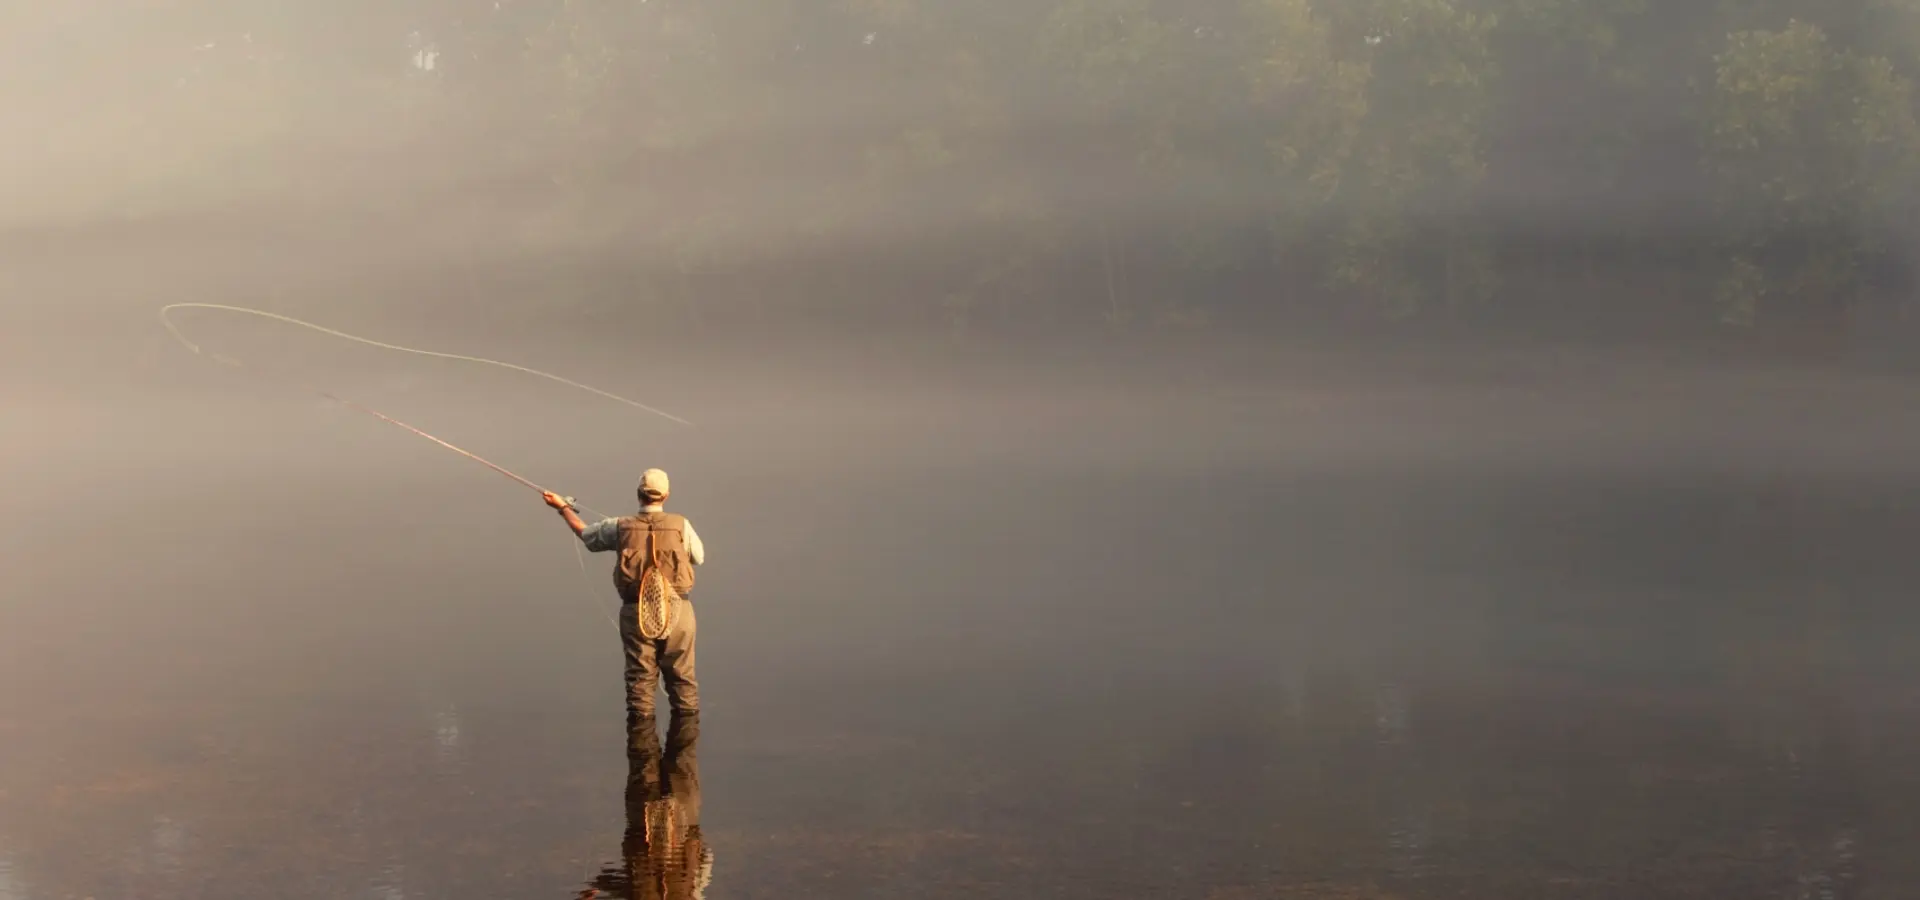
[[663, 854]]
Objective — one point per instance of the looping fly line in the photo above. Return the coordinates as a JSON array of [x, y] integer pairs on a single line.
[[166, 319]]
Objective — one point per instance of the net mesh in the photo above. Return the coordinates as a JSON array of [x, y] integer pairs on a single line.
[[657, 596]]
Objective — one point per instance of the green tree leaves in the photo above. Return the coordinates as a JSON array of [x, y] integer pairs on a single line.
[[1119, 161], [1808, 144]]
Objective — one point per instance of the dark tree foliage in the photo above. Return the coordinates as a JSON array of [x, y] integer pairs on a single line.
[[1745, 165]]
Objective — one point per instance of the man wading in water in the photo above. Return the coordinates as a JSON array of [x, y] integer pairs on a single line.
[[654, 575]]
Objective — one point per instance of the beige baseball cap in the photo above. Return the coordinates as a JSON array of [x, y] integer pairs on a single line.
[[653, 483]]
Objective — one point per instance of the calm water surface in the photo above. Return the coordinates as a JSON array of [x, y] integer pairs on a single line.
[[1217, 679]]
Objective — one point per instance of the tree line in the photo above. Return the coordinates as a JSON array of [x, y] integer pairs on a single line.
[[1727, 164]]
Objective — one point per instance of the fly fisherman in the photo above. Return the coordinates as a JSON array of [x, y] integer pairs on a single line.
[[658, 551]]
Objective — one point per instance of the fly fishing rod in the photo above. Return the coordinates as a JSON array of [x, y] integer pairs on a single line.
[[222, 359]]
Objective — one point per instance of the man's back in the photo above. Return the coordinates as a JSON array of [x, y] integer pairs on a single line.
[[657, 627]]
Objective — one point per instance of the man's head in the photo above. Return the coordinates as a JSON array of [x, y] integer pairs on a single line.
[[653, 487]]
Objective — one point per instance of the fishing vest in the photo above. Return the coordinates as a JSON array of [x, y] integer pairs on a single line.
[[656, 538]]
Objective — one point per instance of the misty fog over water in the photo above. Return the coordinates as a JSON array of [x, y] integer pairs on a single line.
[[1371, 450], [1177, 628]]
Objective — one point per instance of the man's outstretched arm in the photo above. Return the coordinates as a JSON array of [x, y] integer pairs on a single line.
[[566, 511], [597, 537]]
